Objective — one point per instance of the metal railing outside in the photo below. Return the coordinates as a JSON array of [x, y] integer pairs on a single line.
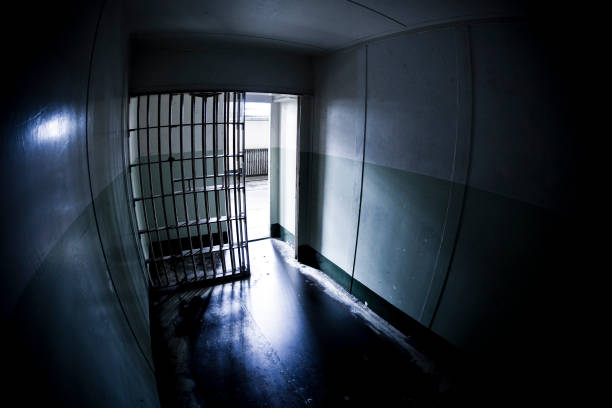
[[256, 162]]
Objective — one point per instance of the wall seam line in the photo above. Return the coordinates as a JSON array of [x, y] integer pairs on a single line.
[[429, 27], [467, 177], [93, 205], [451, 195], [365, 125]]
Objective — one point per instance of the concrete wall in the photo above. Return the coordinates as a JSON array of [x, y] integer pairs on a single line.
[[466, 180], [74, 297], [334, 157], [187, 63], [508, 266], [283, 156]]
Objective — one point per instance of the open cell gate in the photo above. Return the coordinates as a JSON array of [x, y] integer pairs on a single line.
[[186, 161]]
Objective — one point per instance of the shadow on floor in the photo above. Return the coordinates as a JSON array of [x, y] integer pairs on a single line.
[[286, 337]]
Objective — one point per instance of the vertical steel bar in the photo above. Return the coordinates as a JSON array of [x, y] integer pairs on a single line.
[[236, 191], [161, 178], [241, 170], [171, 162], [159, 242], [142, 195], [228, 206], [242, 155], [181, 114], [193, 176], [216, 173], [246, 232], [204, 173]]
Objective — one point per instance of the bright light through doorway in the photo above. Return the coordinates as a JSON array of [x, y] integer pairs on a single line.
[[271, 165], [258, 111], [257, 144]]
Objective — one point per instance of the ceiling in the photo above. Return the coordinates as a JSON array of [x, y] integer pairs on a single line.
[[315, 25]]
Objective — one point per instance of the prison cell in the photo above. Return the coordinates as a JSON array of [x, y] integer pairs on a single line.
[[186, 166]]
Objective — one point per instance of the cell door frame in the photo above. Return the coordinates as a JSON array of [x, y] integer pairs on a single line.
[[232, 240]]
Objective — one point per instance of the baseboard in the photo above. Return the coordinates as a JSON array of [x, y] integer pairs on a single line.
[[278, 231], [309, 256], [425, 338]]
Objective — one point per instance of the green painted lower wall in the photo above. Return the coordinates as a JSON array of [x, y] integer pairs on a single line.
[[329, 199], [72, 338], [400, 232], [282, 190], [397, 318], [502, 264], [274, 176], [402, 217], [280, 232], [504, 287], [123, 255], [311, 257]]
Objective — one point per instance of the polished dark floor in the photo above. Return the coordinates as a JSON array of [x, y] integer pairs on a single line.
[[285, 338]]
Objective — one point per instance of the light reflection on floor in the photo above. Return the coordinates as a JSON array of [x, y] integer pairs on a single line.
[[281, 339]]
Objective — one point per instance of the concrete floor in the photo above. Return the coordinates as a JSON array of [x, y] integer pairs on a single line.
[[287, 336], [258, 207]]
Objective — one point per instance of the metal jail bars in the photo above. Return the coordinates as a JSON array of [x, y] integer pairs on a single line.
[[186, 167]]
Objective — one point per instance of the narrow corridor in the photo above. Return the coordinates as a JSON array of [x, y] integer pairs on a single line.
[[428, 160], [288, 336]]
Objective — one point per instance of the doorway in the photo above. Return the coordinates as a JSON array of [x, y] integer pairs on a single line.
[[257, 148], [271, 124], [195, 160]]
